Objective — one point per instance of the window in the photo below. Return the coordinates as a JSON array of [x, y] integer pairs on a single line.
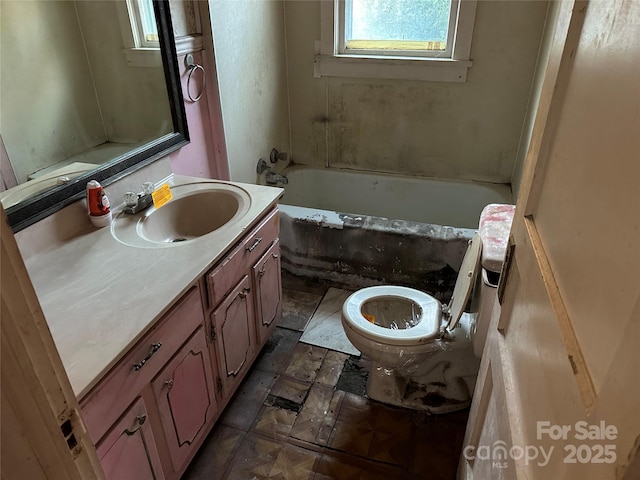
[[407, 39], [143, 23], [139, 33], [398, 27]]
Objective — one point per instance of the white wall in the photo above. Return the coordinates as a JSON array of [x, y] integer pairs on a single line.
[[59, 98], [461, 131], [248, 38], [534, 97], [49, 108], [133, 99]]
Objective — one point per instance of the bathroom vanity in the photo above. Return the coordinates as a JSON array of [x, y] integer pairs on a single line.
[[156, 339]]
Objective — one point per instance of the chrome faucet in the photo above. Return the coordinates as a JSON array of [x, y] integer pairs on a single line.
[[271, 178], [136, 202]]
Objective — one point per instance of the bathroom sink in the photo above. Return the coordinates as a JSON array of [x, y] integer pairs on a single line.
[[195, 211]]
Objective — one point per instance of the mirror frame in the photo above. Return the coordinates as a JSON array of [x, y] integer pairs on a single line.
[[50, 201]]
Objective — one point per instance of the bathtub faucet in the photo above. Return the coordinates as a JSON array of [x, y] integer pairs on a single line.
[[272, 178]]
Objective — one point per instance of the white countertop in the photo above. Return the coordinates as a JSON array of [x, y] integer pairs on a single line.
[[100, 296]]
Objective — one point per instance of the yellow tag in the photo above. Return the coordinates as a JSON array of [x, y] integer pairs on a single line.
[[371, 318], [161, 196]]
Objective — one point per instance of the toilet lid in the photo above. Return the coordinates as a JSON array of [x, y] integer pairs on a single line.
[[429, 313], [465, 281]]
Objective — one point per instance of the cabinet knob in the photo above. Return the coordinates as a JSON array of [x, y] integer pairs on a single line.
[[243, 293], [169, 384]]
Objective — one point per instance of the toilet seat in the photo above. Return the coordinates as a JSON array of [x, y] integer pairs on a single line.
[[430, 318], [427, 328], [465, 281]]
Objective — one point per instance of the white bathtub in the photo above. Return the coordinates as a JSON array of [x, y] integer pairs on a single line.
[[418, 199]]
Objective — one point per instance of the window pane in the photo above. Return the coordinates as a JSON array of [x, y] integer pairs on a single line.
[[148, 20], [400, 24]]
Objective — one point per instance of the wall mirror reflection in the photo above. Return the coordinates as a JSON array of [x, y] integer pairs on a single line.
[[90, 89]]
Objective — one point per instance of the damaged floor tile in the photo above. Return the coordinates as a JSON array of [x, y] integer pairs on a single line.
[[302, 413]]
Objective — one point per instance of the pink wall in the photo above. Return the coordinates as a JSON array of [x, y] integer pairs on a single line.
[[206, 154]]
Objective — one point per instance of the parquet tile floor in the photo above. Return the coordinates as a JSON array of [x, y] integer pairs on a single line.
[[302, 414]]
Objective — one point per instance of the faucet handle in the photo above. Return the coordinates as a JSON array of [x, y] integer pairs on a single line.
[[262, 166], [148, 188], [131, 199], [275, 155]]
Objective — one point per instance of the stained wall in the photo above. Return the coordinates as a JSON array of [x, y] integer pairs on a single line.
[[466, 130]]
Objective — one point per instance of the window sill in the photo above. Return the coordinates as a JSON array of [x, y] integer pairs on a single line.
[[143, 57], [392, 68]]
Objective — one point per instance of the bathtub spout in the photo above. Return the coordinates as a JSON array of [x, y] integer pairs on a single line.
[[273, 178]]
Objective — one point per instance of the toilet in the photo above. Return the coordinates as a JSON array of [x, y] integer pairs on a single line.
[[425, 355]]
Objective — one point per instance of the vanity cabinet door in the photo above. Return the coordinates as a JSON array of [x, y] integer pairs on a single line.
[[128, 451], [268, 292], [234, 335], [185, 398], [106, 402]]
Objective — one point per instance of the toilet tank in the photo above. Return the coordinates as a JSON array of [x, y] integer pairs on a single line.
[[494, 227]]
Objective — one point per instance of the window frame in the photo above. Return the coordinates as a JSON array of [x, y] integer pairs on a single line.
[[332, 61], [138, 52]]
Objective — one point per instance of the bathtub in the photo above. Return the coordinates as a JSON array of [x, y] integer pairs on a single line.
[[418, 199], [361, 229]]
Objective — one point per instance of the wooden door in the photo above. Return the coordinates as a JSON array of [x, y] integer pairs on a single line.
[[558, 393], [234, 335], [42, 432], [185, 398], [128, 451], [268, 292]]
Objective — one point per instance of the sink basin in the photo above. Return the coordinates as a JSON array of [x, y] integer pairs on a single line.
[[189, 217], [195, 211]]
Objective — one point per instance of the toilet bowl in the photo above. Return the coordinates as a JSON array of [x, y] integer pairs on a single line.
[[425, 355], [421, 351]]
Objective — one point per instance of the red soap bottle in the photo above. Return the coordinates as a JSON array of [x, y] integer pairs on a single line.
[[98, 204]]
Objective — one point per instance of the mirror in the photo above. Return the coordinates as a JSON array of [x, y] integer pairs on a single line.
[[53, 145]]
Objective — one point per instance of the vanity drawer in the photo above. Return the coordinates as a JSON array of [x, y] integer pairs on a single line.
[[104, 404], [225, 275]]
